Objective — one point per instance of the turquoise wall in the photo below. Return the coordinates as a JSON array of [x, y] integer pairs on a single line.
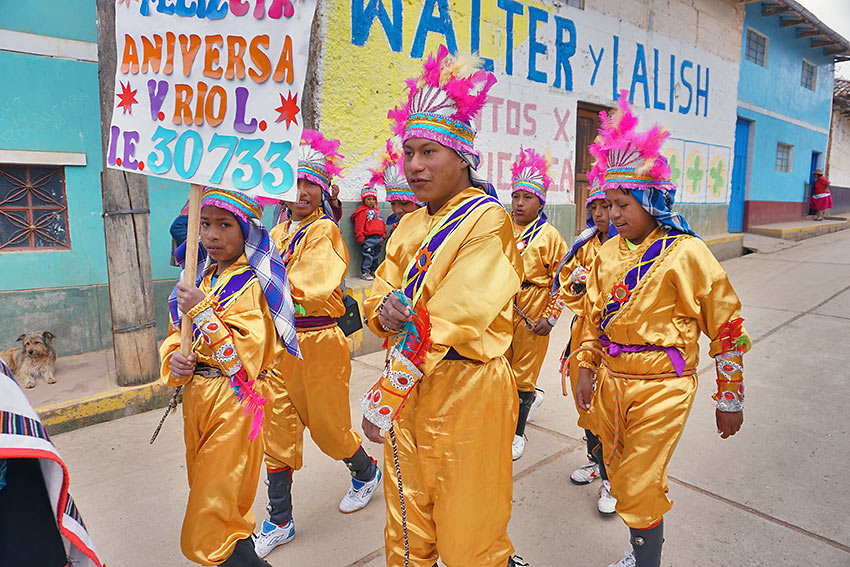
[[69, 19], [777, 89]]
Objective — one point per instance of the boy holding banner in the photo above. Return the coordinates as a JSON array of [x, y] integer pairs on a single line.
[[448, 482], [312, 392], [242, 324]]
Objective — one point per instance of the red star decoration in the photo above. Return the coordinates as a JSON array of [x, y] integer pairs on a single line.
[[128, 97], [288, 109]]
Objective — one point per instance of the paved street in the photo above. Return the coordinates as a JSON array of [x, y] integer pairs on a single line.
[[775, 494]]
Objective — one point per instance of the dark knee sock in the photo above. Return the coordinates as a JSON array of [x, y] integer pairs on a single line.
[[646, 545], [525, 401], [594, 453], [280, 496], [361, 465]]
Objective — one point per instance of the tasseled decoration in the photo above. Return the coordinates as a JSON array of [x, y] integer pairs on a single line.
[[732, 336], [415, 338], [251, 401]]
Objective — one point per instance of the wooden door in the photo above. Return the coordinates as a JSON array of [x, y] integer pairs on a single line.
[[587, 126]]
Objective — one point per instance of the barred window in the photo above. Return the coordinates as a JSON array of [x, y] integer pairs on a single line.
[[756, 47], [33, 208], [810, 76], [784, 157]]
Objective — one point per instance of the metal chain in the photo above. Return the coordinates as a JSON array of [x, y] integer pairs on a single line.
[[172, 405], [400, 498]]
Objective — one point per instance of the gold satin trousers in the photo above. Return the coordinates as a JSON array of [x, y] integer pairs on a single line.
[[526, 355], [652, 416], [223, 468], [312, 392], [454, 438], [575, 335]]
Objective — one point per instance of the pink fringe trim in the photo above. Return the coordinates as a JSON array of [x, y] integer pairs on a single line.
[[315, 179], [252, 401]]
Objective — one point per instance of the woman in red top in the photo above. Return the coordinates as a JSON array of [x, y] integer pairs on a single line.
[[821, 199]]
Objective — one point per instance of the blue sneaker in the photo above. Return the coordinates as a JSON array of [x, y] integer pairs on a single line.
[[360, 493], [273, 535]]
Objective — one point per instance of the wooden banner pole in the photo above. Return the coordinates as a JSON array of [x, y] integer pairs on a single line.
[[190, 267]]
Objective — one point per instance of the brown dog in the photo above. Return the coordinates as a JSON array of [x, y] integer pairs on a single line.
[[35, 358]]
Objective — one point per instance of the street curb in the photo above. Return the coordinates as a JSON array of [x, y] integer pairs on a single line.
[[74, 414], [799, 233]]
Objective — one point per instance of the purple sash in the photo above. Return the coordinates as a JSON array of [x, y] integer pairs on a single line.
[[415, 276], [615, 349], [636, 274], [228, 291], [297, 238], [529, 234], [308, 323]]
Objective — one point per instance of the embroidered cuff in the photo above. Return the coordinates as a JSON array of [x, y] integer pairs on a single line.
[[730, 381], [208, 301], [216, 334], [554, 309], [730, 336], [385, 399]]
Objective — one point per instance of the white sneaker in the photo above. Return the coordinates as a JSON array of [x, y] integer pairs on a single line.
[[586, 474], [538, 399], [518, 446], [627, 561], [606, 504], [272, 536], [359, 493]]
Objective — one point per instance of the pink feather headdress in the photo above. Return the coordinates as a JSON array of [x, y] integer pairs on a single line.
[[625, 157], [443, 100], [530, 172], [390, 173], [318, 159]]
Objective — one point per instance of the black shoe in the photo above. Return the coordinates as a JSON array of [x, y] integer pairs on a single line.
[[517, 561], [244, 556]]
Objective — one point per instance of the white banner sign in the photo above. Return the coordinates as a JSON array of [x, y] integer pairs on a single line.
[[209, 91]]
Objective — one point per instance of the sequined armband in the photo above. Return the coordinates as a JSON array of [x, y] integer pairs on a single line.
[[554, 309], [385, 399], [216, 334], [730, 381]]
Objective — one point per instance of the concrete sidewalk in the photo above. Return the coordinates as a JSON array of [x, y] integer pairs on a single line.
[[775, 494]]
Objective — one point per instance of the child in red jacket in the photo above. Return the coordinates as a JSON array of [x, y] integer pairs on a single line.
[[370, 231]]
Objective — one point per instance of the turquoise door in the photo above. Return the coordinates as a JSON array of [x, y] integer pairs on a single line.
[[739, 176]]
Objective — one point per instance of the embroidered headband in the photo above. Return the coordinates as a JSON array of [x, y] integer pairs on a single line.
[[237, 203]]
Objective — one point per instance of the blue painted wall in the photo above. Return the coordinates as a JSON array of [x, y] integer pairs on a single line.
[[69, 19], [778, 89]]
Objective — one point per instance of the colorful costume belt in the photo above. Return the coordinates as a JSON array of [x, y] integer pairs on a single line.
[[615, 349], [314, 323]]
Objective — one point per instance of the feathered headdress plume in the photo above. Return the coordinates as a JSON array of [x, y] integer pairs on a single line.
[[318, 159], [443, 100], [530, 172], [625, 157]]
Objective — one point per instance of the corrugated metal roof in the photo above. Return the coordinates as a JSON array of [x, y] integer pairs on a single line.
[[808, 26]]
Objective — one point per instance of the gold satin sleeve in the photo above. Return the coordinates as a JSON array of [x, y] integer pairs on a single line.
[[469, 288], [584, 256], [249, 320], [539, 264], [317, 268]]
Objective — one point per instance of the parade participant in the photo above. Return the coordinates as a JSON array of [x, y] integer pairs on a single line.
[[821, 199], [39, 524], [369, 231], [312, 392], [242, 325], [573, 271], [456, 260], [390, 174], [650, 293], [540, 246]]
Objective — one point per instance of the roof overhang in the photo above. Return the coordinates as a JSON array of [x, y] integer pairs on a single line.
[[807, 25]]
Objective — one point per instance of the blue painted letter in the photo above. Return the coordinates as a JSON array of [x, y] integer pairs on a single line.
[[686, 65], [563, 52], [475, 33], [511, 8], [639, 76], [656, 104], [597, 59], [535, 15], [702, 93], [428, 22], [363, 16]]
